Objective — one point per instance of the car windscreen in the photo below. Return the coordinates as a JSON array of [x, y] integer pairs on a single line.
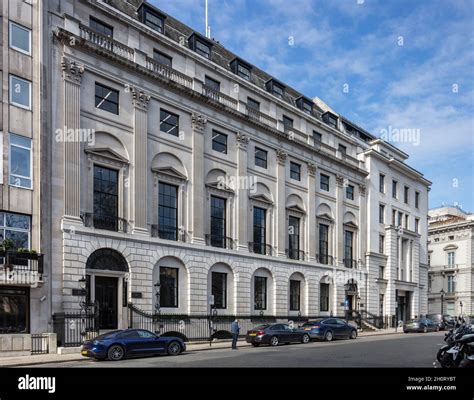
[[312, 323]]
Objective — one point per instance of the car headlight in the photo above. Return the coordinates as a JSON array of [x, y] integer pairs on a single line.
[[95, 342]]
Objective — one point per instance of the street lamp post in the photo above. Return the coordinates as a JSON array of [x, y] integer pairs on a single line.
[[83, 286], [157, 304], [442, 301]]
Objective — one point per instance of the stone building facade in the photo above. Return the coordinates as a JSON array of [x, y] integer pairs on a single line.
[[181, 177]]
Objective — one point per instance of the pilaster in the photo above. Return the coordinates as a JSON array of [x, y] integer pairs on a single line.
[[242, 193], [281, 226]]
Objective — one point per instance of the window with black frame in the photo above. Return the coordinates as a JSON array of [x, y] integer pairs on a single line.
[[259, 230], [348, 248], [219, 142], [261, 157], [101, 27], [324, 297], [324, 182], [218, 222], [219, 289], [169, 122], [14, 310], [167, 211], [323, 243], [162, 58], [260, 293], [295, 171], [295, 295], [294, 238], [105, 198], [169, 287], [106, 99]]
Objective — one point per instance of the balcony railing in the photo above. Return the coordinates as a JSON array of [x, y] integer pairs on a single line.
[[451, 266], [107, 43], [324, 259], [106, 222], [21, 268], [222, 242], [219, 97], [350, 263], [260, 248], [294, 254], [169, 73], [167, 232], [256, 115]]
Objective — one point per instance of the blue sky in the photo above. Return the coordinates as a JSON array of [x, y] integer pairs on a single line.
[[407, 64]]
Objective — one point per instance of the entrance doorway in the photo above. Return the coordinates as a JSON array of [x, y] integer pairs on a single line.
[[106, 297]]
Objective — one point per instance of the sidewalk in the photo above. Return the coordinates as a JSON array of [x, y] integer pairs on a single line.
[[194, 346]]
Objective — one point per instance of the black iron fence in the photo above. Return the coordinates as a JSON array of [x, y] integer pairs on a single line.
[[260, 248], [39, 343], [72, 329]]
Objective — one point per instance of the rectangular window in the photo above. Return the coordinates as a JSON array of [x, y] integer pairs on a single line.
[[324, 182], [261, 157], [218, 222], [253, 104], [405, 194], [406, 221], [21, 162], [330, 119], [417, 199], [382, 183], [219, 289], [451, 284], [350, 192], [381, 213], [394, 189], [105, 198], [342, 149], [417, 225], [17, 228], [295, 171], [243, 71], [323, 244], [101, 27], [259, 230], [169, 287], [212, 84], [202, 49], [400, 219], [260, 293], [275, 88], [14, 310], [219, 142], [162, 58], [167, 211], [348, 248], [381, 272], [451, 259], [20, 38], [106, 99], [317, 137], [152, 19], [287, 123], [381, 301], [293, 238], [169, 122], [20, 92], [381, 244], [307, 107], [295, 295], [324, 297]]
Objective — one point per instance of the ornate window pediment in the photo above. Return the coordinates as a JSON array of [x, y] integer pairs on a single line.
[[219, 187], [450, 247], [325, 218], [296, 209], [106, 153], [261, 198], [351, 224], [169, 173]]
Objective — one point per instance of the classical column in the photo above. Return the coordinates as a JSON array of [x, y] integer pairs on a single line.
[[242, 212], [362, 233], [72, 75], [281, 223], [198, 200], [339, 219], [311, 223], [140, 101]]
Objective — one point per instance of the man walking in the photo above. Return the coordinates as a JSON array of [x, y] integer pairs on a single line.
[[235, 330]]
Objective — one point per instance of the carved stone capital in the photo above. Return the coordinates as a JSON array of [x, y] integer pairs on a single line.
[[72, 71], [198, 122], [242, 141], [140, 98], [362, 189], [311, 169], [281, 156], [339, 181]]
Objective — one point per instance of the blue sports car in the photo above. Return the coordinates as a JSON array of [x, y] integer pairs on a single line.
[[118, 344]]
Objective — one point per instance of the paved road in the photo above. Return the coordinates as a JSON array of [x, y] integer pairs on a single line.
[[410, 350]]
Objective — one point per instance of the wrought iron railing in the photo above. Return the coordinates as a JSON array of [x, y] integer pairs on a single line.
[[294, 254], [39, 343], [106, 222], [169, 73], [73, 328], [350, 263], [106, 43], [260, 248], [223, 242], [325, 259], [21, 267], [219, 97]]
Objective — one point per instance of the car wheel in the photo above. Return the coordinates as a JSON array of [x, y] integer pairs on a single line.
[[174, 348], [425, 329], [115, 353], [305, 339], [255, 344], [328, 336], [353, 334], [274, 341], [447, 361]]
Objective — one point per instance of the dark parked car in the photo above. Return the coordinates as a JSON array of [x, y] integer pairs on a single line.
[[420, 325], [118, 344], [274, 334], [329, 329], [443, 321]]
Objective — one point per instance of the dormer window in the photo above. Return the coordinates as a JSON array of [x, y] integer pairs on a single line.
[[275, 88], [330, 119], [305, 105], [200, 45], [241, 68], [152, 18]]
